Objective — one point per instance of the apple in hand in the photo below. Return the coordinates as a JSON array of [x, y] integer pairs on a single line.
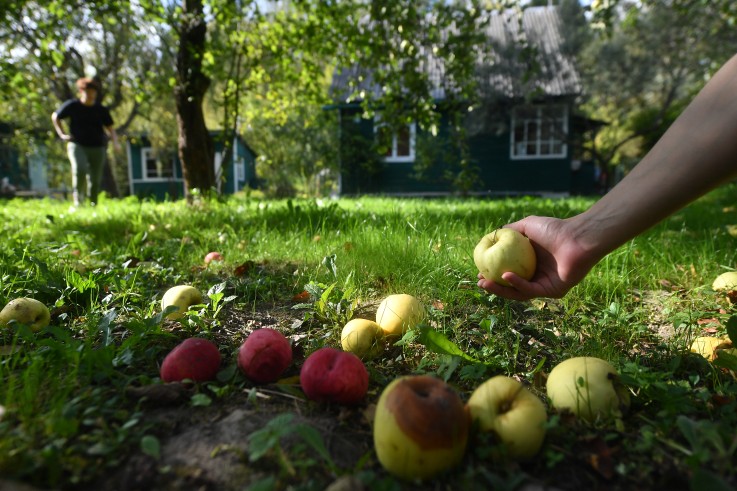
[[193, 359], [27, 311], [182, 297], [333, 375], [399, 313], [264, 355], [362, 337], [588, 387], [515, 415], [421, 427], [504, 250]]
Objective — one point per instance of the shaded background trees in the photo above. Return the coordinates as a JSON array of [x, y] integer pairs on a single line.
[[175, 71]]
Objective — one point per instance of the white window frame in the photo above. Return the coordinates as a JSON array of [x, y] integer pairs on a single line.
[[146, 155], [240, 169], [393, 157], [558, 129]]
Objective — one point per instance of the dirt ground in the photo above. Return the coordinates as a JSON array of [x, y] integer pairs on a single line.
[[204, 448]]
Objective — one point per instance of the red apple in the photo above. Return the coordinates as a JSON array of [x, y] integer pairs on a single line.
[[333, 375], [264, 355], [195, 359], [213, 256]]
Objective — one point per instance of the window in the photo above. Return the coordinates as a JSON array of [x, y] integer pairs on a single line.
[[154, 168], [240, 170], [539, 132], [398, 146]]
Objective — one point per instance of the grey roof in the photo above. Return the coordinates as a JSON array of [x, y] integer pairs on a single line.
[[505, 73]]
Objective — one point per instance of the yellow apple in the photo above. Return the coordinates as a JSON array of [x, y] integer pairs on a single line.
[[181, 296], [706, 346], [504, 250], [399, 313], [420, 427], [27, 311], [727, 283], [362, 337], [505, 407], [588, 387]]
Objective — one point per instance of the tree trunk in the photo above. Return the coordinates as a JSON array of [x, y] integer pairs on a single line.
[[195, 146]]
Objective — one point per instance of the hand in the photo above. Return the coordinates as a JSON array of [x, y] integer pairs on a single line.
[[562, 262], [65, 137]]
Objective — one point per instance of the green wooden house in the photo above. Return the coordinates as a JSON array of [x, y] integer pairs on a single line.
[[10, 168], [525, 141], [158, 175]]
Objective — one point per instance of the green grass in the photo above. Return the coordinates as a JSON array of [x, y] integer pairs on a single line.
[[103, 270]]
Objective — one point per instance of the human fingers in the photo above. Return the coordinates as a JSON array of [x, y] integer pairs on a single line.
[[520, 290]]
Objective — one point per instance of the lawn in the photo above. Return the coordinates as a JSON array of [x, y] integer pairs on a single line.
[[82, 405]]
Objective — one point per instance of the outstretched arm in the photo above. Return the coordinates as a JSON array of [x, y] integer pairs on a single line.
[[695, 155], [58, 127]]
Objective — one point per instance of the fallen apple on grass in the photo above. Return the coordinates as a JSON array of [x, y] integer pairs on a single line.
[[195, 359], [213, 256], [726, 283], [588, 387], [505, 250], [399, 313], [182, 297], [707, 346], [333, 375], [26, 311], [421, 427], [265, 355], [503, 406], [362, 337]]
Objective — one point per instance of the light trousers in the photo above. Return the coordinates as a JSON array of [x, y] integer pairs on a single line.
[[87, 165]]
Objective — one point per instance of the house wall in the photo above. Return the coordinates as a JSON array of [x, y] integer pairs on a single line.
[[173, 187], [364, 172], [500, 174]]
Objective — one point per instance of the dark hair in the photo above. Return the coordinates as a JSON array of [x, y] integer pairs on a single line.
[[85, 83]]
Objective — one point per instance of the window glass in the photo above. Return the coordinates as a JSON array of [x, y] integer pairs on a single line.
[[396, 146], [154, 167], [539, 131]]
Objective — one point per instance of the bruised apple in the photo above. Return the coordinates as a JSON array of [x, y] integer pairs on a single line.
[[195, 359], [421, 427], [265, 355], [26, 311], [399, 313], [588, 387], [503, 406], [333, 375], [182, 297], [504, 250], [362, 337]]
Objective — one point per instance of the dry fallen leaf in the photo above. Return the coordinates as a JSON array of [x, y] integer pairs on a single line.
[[244, 268], [600, 457], [302, 296]]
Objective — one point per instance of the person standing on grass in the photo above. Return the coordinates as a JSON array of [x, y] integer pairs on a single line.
[[696, 154], [90, 127]]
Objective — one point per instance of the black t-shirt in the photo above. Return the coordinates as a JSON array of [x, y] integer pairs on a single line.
[[86, 123]]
